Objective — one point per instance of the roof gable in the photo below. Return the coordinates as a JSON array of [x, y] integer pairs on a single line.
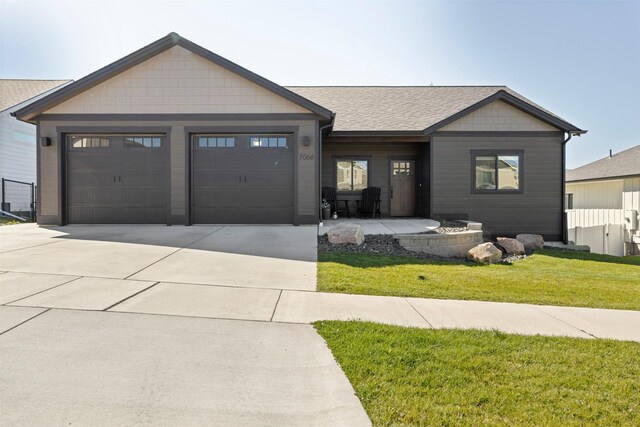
[[177, 81], [86, 83], [498, 116]]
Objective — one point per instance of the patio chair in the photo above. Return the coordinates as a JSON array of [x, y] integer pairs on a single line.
[[329, 194], [370, 203]]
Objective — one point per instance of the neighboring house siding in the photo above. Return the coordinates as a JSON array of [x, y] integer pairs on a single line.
[[378, 154], [537, 210], [498, 116], [177, 81], [50, 184], [596, 194], [631, 194], [17, 149]]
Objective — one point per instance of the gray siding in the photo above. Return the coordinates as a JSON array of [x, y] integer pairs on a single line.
[[378, 154], [537, 210], [50, 183]]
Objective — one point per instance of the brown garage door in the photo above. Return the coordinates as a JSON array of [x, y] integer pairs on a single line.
[[116, 179], [242, 179]]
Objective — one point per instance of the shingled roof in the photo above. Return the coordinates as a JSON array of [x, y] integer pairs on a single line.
[[16, 91], [408, 108], [624, 163]]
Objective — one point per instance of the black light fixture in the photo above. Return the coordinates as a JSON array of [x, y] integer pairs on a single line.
[[45, 141], [306, 141]]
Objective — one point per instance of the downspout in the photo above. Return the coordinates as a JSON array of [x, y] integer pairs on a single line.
[[330, 124]]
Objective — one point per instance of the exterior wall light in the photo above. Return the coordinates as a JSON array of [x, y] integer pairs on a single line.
[[45, 141], [306, 141]]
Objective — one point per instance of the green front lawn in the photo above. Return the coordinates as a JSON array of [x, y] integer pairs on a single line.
[[406, 376], [551, 277]]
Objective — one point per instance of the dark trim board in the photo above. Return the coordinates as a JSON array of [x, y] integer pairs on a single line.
[[497, 134], [177, 117], [172, 39]]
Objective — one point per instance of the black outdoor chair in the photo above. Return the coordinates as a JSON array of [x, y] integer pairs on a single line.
[[370, 203], [329, 194]]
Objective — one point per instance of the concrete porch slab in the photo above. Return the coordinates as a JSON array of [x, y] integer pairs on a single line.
[[86, 293], [14, 286], [203, 301], [384, 226], [507, 317], [614, 324], [307, 307], [104, 368], [13, 316]]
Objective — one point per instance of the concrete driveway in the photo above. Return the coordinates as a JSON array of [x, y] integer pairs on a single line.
[[124, 325]]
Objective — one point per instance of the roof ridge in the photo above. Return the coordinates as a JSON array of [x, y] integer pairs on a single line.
[[393, 86]]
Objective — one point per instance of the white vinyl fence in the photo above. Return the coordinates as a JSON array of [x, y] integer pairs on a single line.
[[601, 229]]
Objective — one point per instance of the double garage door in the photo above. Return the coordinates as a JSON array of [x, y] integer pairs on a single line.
[[124, 179]]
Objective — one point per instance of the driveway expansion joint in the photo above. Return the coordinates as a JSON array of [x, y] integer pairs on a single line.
[[171, 253], [25, 321], [44, 290], [275, 306], [129, 297]]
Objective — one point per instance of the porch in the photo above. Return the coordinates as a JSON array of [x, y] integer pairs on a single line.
[[398, 164]]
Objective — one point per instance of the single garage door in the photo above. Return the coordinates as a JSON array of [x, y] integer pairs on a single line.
[[242, 179], [116, 179]]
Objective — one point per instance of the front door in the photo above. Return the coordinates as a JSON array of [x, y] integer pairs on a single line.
[[403, 187]]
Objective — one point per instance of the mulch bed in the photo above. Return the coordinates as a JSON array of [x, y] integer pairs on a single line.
[[385, 244]]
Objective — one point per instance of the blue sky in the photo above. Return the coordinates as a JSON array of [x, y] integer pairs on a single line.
[[580, 59]]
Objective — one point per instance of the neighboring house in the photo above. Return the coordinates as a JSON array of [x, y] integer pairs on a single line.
[[176, 134], [603, 202], [18, 139]]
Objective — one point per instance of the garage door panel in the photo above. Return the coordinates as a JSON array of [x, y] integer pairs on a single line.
[[114, 183], [242, 184], [211, 197]]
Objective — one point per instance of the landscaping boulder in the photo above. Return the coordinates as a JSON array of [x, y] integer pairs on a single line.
[[485, 253], [511, 246], [531, 242], [346, 233]]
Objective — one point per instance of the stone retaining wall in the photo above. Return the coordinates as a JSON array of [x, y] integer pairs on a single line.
[[448, 245]]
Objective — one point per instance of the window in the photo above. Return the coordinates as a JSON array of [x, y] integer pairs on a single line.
[[89, 142], [569, 201], [216, 142], [401, 168], [496, 172], [270, 141], [352, 175], [143, 141]]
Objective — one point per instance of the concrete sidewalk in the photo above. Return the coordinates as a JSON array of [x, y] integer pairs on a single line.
[[302, 307]]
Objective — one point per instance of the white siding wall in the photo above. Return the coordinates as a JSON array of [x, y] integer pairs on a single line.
[[597, 194], [598, 215], [498, 116], [17, 149]]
